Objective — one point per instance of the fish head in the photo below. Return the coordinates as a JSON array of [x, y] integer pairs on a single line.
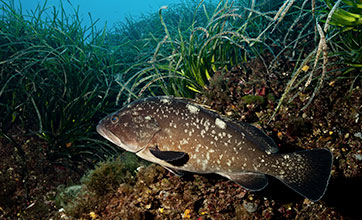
[[132, 130]]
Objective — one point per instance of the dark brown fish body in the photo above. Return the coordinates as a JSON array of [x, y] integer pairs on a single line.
[[183, 136]]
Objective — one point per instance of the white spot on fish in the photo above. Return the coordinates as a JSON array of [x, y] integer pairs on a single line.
[[203, 132], [204, 164], [228, 163], [220, 123], [183, 141], [206, 124], [165, 100], [197, 148], [147, 118], [191, 132], [193, 109]]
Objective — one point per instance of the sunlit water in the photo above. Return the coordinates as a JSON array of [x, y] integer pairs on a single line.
[[109, 12]]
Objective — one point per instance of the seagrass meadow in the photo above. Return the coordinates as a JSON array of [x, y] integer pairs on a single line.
[[290, 68]]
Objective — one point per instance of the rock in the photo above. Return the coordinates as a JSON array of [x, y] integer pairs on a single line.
[[358, 156], [358, 134], [250, 206]]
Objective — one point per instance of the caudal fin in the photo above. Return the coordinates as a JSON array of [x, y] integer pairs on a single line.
[[306, 172]]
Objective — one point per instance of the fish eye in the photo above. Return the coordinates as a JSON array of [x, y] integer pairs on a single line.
[[114, 119]]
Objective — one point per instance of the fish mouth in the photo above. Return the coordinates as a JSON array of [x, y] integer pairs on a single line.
[[108, 135], [115, 140]]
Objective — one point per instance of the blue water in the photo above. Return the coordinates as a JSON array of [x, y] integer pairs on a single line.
[[109, 12]]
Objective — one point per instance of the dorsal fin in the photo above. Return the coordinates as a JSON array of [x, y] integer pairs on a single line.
[[264, 141]]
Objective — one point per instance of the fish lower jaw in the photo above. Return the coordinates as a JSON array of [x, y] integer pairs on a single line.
[[110, 136], [115, 140]]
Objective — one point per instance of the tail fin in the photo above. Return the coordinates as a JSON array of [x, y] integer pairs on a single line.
[[306, 172]]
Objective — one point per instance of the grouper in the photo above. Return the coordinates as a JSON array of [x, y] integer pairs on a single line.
[[181, 135]]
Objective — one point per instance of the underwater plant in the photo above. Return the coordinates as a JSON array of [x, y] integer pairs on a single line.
[[348, 19], [108, 175], [56, 80], [188, 52], [97, 184], [221, 36], [335, 46]]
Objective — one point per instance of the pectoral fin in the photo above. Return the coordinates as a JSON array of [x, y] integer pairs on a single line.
[[175, 158], [248, 180]]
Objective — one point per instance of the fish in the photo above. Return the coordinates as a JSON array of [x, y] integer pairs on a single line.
[[183, 136]]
